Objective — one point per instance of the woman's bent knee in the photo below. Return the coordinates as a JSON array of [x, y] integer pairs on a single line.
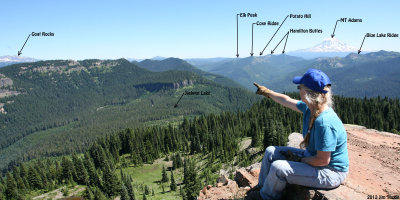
[[281, 168], [269, 153], [270, 150]]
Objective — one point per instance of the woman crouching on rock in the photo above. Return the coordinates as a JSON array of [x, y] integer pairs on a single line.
[[324, 162]]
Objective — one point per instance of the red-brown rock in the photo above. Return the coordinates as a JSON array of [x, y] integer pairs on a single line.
[[244, 178], [229, 191], [364, 177], [255, 172], [204, 190]]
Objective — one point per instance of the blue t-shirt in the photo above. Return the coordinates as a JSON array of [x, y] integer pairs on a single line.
[[327, 134]]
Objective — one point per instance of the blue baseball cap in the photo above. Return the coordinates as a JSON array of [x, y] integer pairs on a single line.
[[314, 79]]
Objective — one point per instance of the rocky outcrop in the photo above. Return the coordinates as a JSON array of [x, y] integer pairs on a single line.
[[374, 170], [245, 178], [158, 86], [2, 109], [228, 189], [183, 83], [5, 84], [6, 93], [68, 66], [4, 81]]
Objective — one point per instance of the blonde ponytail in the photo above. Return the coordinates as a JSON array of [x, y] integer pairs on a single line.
[[318, 100]]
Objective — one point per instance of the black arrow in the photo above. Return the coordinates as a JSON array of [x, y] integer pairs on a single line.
[[285, 42], [359, 51], [333, 34], [20, 52], [272, 51], [176, 105], [237, 35], [252, 30], [261, 53]]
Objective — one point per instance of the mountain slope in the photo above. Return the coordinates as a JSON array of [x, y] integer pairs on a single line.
[[356, 75], [206, 63], [9, 60], [62, 106], [182, 65], [329, 47], [373, 74], [265, 69], [166, 64]]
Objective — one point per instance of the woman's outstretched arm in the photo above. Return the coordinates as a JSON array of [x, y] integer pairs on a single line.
[[282, 99]]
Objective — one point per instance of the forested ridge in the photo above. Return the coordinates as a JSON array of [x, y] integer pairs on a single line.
[[181, 65], [356, 75], [64, 105], [215, 136]]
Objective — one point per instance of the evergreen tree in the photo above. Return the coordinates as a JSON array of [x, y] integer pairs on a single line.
[[94, 179], [129, 187], [111, 183], [207, 175], [11, 187], [146, 190], [144, 196], [173, 162], [192, 186], [179, 162], [283, 135], [40, 168], [255, 137], [164, 178], [20, 184], [82, 176], [67, 169], [34, 179], [123, 162], [176, 161], [181, 191], [98, 195], [15, 172], [51, 172], [173, 184], [88, 194], [98, 155], [2, 188], [2, 195], [267, 137], [124, 193], [59, 172]]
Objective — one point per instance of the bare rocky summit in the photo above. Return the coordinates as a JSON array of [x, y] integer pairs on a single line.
[[374, 171]]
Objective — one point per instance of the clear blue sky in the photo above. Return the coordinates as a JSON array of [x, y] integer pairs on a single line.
[[184, 29]]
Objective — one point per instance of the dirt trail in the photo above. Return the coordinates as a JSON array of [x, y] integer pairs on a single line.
[[58, 194], [374, 163]]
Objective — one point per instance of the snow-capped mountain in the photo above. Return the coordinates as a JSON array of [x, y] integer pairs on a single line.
[[8, 60], [330, 47]]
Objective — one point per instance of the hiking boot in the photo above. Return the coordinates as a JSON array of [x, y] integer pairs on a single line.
[[254, 195], [255, 188]]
